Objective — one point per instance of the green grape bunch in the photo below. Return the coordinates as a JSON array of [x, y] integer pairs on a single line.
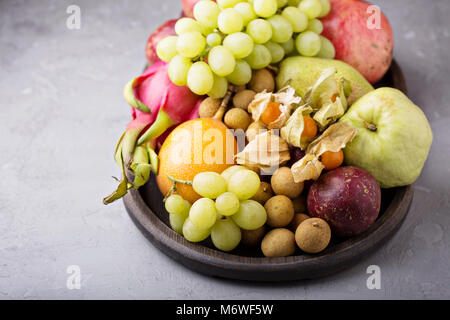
[[225, 209], [228, 39]]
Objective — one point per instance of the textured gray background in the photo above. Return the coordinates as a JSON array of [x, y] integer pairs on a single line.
[[62, 111]]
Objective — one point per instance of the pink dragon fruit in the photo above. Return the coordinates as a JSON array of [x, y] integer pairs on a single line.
[[157, 106], [165, 30]]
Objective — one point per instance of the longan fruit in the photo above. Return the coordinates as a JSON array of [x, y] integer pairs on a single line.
[[240, 88], [242, 99], [313, 235], [254, 129], [237, 118], [262, 80], [283, 183], [278, 242], [264, 193], [280, 211], [300, 204], [252, 238], [298, 218], [209, 107]]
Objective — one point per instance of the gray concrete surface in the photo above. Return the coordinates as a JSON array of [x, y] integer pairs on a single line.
[[62, 111]]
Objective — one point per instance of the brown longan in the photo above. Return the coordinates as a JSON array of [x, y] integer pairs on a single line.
[[254, 129], [280, 211], [239, 88], [252, 238], [298, 218], [300, 204], [278, 242], [237, 118], [313, 235], [209, 107], [242, 99], [262, 80], [283, 183], [264, 193]]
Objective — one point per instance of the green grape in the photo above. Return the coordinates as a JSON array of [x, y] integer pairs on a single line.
[[240, 44], [276, 51], [288, 46], [259, 58], [250, 216], [214, 39], [203, 213], [206, 13], [227, 204], [175, 204], [184, 25], [228, 172], [206, 31], [191, 44], [221, 61], [242, 73], [200, 78], [225, 235], [188, 206], [178, 69], [298, 19], [327, 50], [177, 220], [194, 234], [167, 48], [230, 21], [209, 184], [265, 8], [281, 3], [308, 43], [244, 184], [326, 7], [312, 8], [260, 30], [293, 3], [281, 28], [315, 25], [219, 88], [245, 9], [227, 3]]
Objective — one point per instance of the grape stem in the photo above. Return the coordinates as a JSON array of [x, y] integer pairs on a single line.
[[223, 106], [175, 180], [173, 189]]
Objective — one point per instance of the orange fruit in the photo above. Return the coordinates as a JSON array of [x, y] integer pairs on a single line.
[[271, 113], [310, 129], [194, 146], [332, 160]]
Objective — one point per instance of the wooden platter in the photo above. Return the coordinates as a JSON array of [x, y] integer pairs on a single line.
[[146, 209]]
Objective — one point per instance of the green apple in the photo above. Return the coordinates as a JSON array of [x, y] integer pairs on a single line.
[[393, 140]]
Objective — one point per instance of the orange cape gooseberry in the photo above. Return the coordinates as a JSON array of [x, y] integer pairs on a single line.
[[332, 160], [310, 127], [271, 113]]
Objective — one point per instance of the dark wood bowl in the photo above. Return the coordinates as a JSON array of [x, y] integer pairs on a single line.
[[146, 209]]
